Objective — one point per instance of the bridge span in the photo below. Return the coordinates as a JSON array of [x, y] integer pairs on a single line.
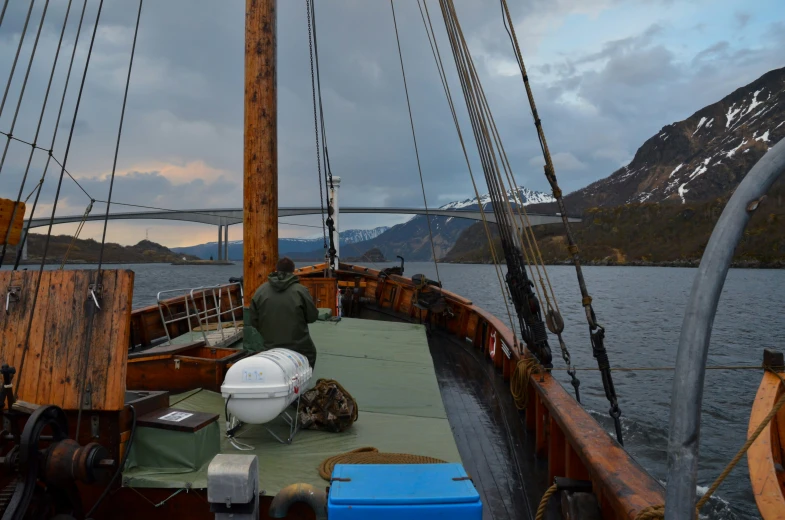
[[225, 217]]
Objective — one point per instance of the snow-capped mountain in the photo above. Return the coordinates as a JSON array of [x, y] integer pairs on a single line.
[[411, 239], [525, 195], [285, 245], [701, 158]]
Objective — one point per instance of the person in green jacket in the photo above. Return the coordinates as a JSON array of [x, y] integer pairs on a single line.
[[281, 310]]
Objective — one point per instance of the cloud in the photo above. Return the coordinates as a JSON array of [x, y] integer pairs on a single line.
[[606, 74], [742, 19], [562, 161]]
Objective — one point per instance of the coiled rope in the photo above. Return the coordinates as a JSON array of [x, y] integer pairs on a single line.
[[371, 455], [519, 382]]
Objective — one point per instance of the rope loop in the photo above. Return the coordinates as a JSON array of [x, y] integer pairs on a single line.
[[544, 502], [371, 455]]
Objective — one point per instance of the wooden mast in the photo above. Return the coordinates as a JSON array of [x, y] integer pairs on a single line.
[[260, 180]]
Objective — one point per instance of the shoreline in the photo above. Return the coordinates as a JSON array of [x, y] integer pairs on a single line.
[[743, 264]]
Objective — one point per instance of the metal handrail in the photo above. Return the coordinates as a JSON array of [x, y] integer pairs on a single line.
[[205, 315], [687, 396]]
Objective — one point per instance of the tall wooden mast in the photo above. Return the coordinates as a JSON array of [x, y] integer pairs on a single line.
[[260, 180]]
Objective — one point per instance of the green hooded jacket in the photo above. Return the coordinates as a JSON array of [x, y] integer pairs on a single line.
[[281, 310]]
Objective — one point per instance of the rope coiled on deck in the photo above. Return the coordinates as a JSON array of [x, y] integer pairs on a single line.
[[371, 455], [519, 383]]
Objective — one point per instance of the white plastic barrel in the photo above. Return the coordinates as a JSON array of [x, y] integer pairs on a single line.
[[260, 387]]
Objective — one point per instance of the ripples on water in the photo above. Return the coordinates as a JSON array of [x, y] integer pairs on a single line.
[[641, 309]]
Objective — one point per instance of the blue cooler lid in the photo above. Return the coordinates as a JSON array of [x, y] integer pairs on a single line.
[[400, 484]]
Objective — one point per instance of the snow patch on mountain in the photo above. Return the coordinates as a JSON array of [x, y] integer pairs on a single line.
[[525, 195]]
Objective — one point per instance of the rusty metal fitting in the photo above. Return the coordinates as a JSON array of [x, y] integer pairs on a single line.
[[66, 461]]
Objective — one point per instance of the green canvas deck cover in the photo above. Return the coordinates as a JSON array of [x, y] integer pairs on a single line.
[[386, 366]]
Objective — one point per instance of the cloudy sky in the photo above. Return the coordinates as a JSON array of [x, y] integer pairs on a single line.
[[607, 74]]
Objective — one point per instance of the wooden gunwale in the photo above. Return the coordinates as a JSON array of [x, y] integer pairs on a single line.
[[622, 486], [768, 484], [571, 442]]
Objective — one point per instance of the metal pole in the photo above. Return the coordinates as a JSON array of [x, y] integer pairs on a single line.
[[220, 244], [336, 214], [226, 242], [687, 396]]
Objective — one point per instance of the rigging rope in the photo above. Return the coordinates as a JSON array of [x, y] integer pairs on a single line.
[[446, 87], [596, 331], [414, 139], [527, 307]]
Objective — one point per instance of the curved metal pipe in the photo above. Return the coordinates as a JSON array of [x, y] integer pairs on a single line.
[[305, 493], [687, 396]]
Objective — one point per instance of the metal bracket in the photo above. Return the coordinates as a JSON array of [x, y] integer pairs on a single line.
[[177, 364], [94, 426], [96, 293], [87, 399], [13, 296]]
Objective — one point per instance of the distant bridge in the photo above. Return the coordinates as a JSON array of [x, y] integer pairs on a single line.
[[223, 218], [228, 217]]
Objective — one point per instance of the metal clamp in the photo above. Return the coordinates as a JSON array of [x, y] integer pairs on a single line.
[[96, 293], [13, 296]]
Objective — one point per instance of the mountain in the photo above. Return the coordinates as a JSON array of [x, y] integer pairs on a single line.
[[87, 251], [662, 206], [286, 246], [698, 159], [671, 234], [411, 239]]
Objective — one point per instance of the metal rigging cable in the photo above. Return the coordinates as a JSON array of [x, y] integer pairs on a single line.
[[16, 57], [328, 174], [20, 247], [57, 193], [414, 139], [33, 145], [596, 331], [10, 133], [95, 291], [315, 121]]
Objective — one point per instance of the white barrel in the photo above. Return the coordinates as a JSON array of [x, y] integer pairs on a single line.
[[260, 387]]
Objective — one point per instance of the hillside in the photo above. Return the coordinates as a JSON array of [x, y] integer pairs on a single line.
[[411, 239], [286, 246], [662, 206], [87, 251], [698, 159], [649, 234]]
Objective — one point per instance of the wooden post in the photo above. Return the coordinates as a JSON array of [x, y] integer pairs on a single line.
[[260, 182]]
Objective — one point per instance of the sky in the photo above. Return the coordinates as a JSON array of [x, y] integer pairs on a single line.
[[606, 75]]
